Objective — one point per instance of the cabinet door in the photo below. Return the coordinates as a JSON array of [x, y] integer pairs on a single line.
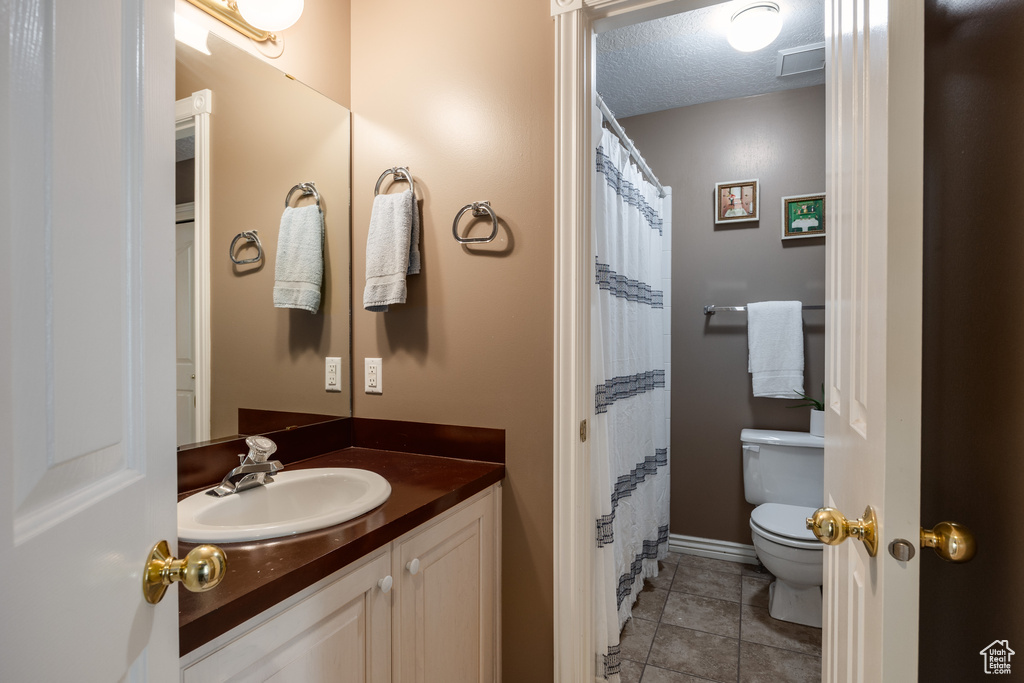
[[339, 634], [446, 599]]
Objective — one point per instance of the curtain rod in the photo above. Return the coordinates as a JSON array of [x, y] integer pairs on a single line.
[[633, 152]]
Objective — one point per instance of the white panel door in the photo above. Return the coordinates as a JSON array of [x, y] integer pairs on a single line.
[[875, 97], [87, 457], [184, 330]]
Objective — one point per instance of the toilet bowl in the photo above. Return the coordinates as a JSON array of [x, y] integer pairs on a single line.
[[794, 556], [783, 474]]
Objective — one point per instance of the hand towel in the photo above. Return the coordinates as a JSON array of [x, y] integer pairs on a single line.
[[392, 249], [776, 344], [299, 270]]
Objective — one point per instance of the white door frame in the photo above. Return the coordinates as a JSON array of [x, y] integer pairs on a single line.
[[575, 25], [195, 112]]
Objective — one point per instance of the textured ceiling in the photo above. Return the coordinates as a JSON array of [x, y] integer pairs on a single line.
[[685, 59]]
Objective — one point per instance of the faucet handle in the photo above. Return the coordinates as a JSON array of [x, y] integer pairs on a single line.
[[260, 448]]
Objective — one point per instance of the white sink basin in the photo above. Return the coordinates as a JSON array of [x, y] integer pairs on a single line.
[[296, 501]]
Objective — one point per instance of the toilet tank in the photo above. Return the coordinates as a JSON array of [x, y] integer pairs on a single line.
[[783, 467]]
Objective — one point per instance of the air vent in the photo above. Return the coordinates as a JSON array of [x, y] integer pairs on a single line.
[[799, 60]]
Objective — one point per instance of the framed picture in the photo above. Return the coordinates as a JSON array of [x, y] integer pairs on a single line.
[[803, 216], [737, 201]]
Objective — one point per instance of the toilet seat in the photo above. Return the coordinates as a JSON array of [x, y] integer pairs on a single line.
[[785, 524]]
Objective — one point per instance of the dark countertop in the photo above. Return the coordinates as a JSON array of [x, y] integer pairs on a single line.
[[262, 573]]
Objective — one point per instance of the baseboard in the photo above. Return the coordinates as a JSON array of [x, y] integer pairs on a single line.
[[709, 547]]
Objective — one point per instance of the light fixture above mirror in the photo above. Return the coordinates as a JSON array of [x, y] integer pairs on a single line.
[[270, 15], [755, 26], [255, 19]]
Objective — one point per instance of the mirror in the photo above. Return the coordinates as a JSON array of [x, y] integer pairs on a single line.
[[266, 134]]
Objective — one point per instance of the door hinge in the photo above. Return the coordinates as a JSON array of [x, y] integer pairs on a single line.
[[583, 431]]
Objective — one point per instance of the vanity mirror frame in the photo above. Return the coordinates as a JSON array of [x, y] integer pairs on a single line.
[[193, 113]]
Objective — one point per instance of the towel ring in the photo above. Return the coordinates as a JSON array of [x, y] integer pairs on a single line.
[[307, 189], [250, 236], [401, 173], [479, 209]]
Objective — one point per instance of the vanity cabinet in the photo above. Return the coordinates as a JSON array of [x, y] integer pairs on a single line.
[[340, 632], [424, 608], [445, 611]]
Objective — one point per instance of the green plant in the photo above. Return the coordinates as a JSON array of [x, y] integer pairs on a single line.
[[811, 402]]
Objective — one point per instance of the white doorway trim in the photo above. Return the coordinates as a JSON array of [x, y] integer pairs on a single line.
[[194, 112], [574, 526], [576, 23]]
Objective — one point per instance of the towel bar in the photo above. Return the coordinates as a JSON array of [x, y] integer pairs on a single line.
[[307, 189], [711, 308], [479, 209], [400, 173], [250, 236]]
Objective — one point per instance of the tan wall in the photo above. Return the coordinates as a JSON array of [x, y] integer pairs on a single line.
[[316, 48], [779, 139], [269, 133], [972, 469], [462, 92]]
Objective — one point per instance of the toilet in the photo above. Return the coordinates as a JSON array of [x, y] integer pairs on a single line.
[[783, 475]]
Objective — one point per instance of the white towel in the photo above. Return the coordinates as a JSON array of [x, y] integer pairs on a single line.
[[392, 249], [776, 344], [299, 270]]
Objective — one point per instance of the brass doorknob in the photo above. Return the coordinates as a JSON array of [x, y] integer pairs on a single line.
[[952, 542], [202, 569], [832, 528]]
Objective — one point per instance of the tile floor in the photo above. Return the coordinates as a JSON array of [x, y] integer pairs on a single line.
[[707, 620]]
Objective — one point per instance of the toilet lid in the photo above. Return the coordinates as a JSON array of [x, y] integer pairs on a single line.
[[789, 521]]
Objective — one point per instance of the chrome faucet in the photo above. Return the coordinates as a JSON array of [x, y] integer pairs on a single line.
[[254, 470]]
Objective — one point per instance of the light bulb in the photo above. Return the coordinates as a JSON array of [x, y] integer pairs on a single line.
[[270, 15], [755, 26]]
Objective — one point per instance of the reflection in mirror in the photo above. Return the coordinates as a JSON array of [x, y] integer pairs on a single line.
[[264, 134], [192, 401]]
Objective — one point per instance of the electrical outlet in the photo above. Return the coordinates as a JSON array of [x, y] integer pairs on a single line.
[[332, 374], [374, 385]]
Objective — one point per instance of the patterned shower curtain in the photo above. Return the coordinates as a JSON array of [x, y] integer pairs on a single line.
[[629, 448]]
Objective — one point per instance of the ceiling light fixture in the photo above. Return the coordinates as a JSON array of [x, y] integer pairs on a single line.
[[755, 26], [255, 19]]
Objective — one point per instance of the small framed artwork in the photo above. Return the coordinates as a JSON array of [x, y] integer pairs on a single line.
[[803, 216], [737, 201]]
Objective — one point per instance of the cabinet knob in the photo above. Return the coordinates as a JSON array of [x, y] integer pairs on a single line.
[[413, 566], [385, 584]]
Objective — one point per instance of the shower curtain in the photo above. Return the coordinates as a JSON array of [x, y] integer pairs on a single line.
[[629, 447]]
